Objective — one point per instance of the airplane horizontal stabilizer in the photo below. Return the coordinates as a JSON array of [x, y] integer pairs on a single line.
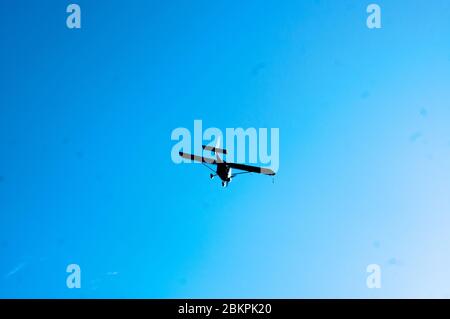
[[197, 158], [214, 149]]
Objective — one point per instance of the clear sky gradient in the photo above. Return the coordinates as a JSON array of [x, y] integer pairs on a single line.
[[86, 175]]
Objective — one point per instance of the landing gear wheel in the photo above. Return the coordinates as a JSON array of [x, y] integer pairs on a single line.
[[211, 176], [224, 184]]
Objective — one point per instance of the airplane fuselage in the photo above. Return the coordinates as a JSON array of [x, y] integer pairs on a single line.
[[224, 172]]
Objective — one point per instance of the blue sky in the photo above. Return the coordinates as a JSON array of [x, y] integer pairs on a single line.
[[86, 175]]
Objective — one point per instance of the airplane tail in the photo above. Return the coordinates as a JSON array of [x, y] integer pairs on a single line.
[[214, 149], [218, 158], [217, 150]]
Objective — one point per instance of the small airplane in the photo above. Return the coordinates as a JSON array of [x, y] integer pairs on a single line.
[[223, 168]]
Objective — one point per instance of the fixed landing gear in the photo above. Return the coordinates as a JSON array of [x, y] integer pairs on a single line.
[[211, 176], [224, 184]]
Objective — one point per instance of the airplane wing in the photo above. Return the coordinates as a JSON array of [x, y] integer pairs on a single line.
[[252, 169], [197, 158], [243, 167]]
